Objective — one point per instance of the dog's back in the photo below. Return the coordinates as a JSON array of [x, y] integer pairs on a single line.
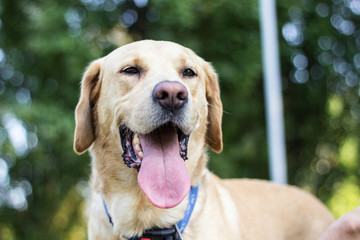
[[272, 211]]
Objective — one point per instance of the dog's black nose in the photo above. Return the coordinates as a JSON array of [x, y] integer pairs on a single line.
[[170, 95]]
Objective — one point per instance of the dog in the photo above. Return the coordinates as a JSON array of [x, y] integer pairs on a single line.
[[147, 113]]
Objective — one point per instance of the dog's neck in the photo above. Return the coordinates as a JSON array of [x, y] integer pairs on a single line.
[[176, 230]]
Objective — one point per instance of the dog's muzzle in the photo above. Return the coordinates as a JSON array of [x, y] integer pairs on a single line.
[[159, 156]]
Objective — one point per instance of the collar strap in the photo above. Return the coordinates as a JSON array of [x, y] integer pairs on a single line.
[[193, 194], [173, 233], [107, 212]]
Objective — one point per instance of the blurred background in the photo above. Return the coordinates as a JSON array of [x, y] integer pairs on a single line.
[[45, 45]]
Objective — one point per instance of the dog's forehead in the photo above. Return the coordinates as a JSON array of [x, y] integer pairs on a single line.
[[148, 51]]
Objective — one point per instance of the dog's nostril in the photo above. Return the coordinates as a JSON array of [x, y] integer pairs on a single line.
[[182, 95], [163, 95], [170, 95]]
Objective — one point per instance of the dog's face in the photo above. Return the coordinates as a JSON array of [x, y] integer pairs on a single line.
[[157, 104]]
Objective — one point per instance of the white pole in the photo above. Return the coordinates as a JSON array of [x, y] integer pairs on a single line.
[[272, 88]]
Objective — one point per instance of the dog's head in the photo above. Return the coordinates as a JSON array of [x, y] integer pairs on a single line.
[[157, 104]]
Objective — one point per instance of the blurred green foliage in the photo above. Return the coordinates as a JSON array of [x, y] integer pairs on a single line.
[[46, 45]]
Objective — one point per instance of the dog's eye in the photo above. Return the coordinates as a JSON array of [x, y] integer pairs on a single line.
[[130, 71], [189, 73]]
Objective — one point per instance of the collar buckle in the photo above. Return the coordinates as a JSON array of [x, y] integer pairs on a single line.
[[160, 234]]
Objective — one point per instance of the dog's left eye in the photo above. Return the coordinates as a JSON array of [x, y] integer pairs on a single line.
[[189, 73], [130, 70]]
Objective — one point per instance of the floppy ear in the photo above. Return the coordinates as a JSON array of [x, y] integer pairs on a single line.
[[90, 86], [215, 110]]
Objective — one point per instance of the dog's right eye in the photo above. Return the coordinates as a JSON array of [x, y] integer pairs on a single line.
[[130, 71], [189, 73]]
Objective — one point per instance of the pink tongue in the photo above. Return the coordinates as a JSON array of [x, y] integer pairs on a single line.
[[163, 176]]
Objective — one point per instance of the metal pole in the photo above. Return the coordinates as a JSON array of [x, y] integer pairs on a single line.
[[272, 88]]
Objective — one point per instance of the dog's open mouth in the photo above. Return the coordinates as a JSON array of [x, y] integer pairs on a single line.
[[160, 158], [131, 144]]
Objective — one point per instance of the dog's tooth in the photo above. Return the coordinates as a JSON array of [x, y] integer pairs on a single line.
[[141, 155], [136, 139], [137, 148]]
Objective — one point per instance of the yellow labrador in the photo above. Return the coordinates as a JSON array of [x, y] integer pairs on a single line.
[[148, 111]]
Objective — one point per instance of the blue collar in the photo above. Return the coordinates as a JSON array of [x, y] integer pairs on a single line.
[[168, 232], [189, 209]]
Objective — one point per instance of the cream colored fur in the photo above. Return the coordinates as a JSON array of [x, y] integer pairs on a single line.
[[225, 209]]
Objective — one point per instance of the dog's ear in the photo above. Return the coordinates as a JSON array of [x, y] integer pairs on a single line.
[[215, 109], [90, 87]]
